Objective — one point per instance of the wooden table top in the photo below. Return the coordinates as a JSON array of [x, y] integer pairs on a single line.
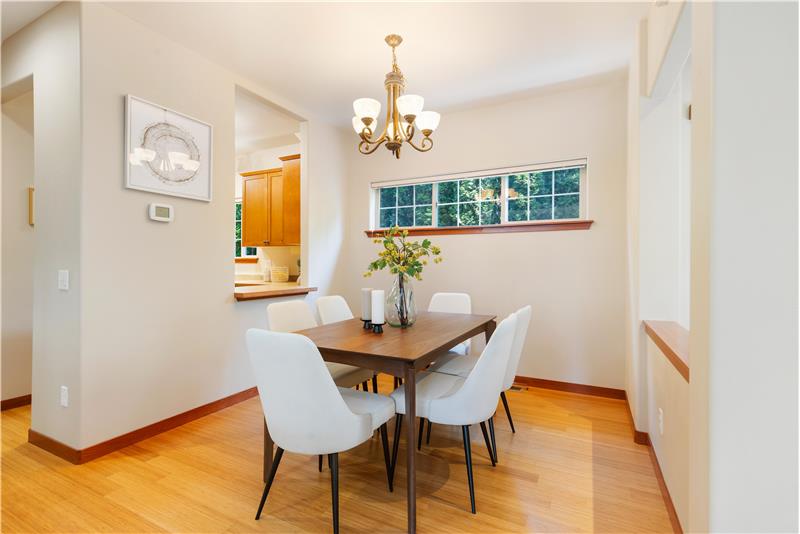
[[432, 333]]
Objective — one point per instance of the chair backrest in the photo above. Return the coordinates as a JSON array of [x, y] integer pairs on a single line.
[[476, 400], [304, 410], [290, 316], [450, 303], [333, 309], [523, 320]]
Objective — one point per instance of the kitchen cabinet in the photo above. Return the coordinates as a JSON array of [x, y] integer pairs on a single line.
[[271, 205]]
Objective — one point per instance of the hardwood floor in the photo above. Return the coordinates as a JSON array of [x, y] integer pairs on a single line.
[[572, 466]]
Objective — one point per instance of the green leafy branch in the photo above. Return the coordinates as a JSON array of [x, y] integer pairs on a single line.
[[401, 256]]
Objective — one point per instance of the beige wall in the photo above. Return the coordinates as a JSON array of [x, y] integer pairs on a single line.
[[575, 280], [174, 281], [49, 49], [18, 247], [752, 266], [668, 391]]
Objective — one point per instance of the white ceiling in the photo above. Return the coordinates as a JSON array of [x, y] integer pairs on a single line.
[[17, 15], [260, 125], [323, 56]]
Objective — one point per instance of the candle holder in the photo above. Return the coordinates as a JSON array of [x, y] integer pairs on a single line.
[[377, 328], [367, 324]]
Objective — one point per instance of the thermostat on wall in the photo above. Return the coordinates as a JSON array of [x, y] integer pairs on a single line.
[[161, 212]]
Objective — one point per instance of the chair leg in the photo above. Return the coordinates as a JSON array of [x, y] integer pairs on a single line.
[[320, 463], [421, 429], [386, 459], [491, 434], [398, 425], [374, 383], [334, 459], [275, 462], [365, 385], [508, 412], [488, 445], [468, 457], [428, 436]]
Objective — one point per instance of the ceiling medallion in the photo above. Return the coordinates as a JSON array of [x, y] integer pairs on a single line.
[[404, 115]]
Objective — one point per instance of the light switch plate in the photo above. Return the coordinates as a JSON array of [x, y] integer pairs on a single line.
[[63, 280], [64, 397]]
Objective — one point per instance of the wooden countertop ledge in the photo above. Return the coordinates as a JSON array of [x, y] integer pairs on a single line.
[[673, 340], [268, 291]]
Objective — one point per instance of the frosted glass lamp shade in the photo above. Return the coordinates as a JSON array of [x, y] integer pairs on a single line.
[[367, 107], [410, 105], [390, 129], [358, 126], [428, 121]]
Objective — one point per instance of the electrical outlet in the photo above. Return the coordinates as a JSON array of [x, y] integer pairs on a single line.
[[660, 422], [63, 280], [64, 397]]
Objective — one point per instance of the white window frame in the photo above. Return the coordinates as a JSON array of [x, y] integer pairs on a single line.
[[583, 192]]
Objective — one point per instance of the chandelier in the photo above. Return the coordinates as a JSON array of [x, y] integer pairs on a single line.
[[404, 115]]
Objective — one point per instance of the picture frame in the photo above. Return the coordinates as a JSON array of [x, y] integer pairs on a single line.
[[167, 152]]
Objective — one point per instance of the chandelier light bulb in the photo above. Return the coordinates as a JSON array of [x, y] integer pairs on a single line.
[[358, 126], [428, 121], [367, 108], [409, 106]]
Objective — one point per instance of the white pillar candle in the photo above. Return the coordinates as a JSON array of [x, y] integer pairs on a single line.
[[377, 307], [366, 303]]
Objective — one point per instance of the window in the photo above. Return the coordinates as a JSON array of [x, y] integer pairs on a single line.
[[537, 193], [408, 205], [248, 251]]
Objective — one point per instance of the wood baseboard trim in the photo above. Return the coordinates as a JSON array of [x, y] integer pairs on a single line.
[[16, 402], [585, 389], [82, 456], [662, 485], [643, 438]]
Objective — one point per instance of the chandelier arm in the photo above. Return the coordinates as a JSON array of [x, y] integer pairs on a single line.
[[425, 145], [364, 146], [370, 140]]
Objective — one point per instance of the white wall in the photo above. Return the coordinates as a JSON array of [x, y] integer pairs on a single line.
[[18, 247], [575, 280], [161, 332], [752, 328], [49, 49]]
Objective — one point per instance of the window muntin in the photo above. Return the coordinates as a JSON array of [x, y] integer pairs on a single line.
[[248, 251], [540, 195], [405, 205], [469, 202]]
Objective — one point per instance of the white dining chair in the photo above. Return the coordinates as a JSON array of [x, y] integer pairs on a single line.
[[463, 366], [452, 303], [320, 419], [332, 309], [455, 400], [294, 315]]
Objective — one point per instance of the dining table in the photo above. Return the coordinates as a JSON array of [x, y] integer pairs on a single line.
[[400, 352]]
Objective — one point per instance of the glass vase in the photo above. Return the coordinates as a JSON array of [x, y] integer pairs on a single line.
[[400, 308]]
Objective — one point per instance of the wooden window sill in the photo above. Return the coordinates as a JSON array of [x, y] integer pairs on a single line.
[[537, 226], [673, 340], [248, 259]]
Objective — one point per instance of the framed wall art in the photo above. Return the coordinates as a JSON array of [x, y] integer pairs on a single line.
[[166, 152]]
